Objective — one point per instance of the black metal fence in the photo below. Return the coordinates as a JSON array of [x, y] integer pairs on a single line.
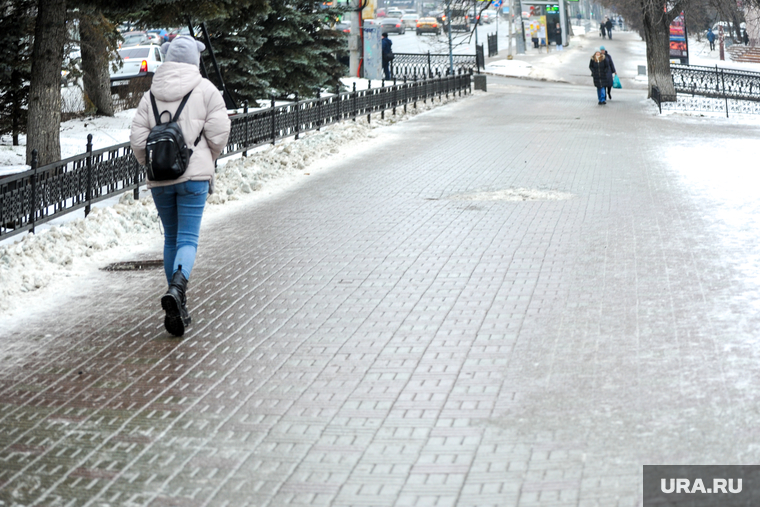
[[709, 89], [493, 45], [657, 98], [425, 65], [716, 82], [43, 193]]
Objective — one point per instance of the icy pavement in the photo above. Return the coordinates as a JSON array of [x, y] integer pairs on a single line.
[[514, 300], [58, 255], [517, 299]]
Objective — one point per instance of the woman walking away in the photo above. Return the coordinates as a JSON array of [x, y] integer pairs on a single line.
[[180, 187], [610, 71], [598, 67]]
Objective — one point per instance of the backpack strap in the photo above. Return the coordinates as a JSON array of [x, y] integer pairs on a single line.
[[198, 139], [176, 115], [155, 109], [181, 106]]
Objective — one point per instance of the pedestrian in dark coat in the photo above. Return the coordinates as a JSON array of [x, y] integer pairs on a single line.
[[711, 39], [387, 55], [610, 71], [598, 67], [602, 30], [746, 38], [608, 26]]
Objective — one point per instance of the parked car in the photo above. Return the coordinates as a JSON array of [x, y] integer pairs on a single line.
[[181, 31], [392, 25], [137, 61], [134, 39], [428, 25], [487, 17], [162, 34], [154, 39], [343, 27], [410, 19]]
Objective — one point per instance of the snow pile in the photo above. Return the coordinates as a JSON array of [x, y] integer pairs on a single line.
[[33, 262], [513, 68], [514, 194], [70, 249]]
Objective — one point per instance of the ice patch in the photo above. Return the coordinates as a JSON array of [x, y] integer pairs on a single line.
[[515, 195]]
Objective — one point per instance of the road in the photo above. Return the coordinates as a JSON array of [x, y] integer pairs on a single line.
[[464, 43]]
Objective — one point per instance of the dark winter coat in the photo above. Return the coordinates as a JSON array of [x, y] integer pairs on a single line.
[[608, 25], [387, 51], [610, 68], [599, 69]]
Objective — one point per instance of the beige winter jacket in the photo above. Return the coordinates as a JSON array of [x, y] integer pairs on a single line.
[[205, 110]]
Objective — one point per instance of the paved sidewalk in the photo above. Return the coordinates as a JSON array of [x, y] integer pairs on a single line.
[[395, 331]]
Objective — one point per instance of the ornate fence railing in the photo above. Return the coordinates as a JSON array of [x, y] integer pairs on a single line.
[[422, 65], [43, 193], [716, 82], [711, 89]]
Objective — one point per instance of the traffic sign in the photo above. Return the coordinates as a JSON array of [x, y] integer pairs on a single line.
[[496, 3]]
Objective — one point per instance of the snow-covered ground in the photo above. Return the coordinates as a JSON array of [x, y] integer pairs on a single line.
[[35, 267], [105, 131]]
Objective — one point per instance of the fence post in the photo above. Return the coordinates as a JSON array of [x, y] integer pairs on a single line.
[[319, 109], [33, 204], [354, 112], [369, 93], [382, 88], [88, 164], [405, 87], [395, 96], [723, 81], [298, 127], [340, 102], [430, 67], [245, 140], [274, 134], [414, 87]]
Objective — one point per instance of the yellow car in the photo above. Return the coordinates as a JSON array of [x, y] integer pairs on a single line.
[[428, 25]]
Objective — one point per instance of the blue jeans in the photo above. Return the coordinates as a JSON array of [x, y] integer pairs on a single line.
[[180, 207], [601, 93]]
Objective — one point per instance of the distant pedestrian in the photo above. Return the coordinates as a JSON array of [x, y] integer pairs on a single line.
[[558, 36], [180, 93], [598, 67], [387, 55], [746, 38], [608, 26], [610, 71], [711, 39], [602, 30]]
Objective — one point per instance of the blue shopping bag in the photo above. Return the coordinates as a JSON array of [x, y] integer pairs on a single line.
[[616, 82]]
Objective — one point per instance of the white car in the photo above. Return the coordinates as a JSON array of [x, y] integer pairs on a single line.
[[137, 61], [410, 18]]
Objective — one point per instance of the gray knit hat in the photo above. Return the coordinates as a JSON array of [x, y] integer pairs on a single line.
[[183, 49]]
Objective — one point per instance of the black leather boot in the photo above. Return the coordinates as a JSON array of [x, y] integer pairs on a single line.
[[174, 303]]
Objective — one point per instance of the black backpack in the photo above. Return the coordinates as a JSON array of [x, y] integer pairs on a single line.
[[166, 150]]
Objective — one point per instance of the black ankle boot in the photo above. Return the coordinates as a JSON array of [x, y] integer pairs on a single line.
[[174, 303]]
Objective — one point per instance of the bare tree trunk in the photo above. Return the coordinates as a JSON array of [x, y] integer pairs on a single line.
[[44, 120], [95, 59], [657, 36]]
